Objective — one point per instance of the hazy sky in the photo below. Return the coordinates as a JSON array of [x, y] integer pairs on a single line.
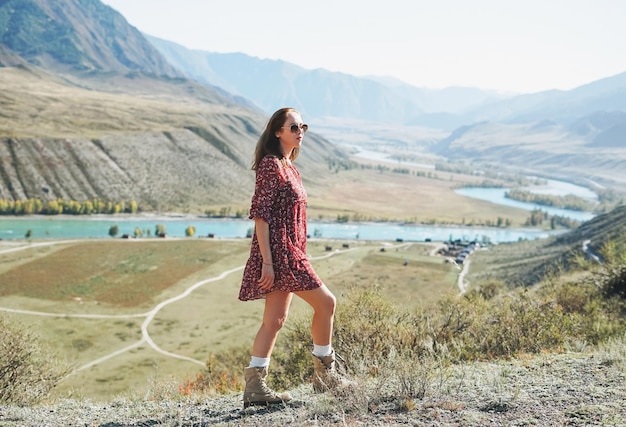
[[507, 45]]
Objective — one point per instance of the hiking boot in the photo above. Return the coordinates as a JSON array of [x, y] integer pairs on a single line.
[[257, 392], [326, 377]]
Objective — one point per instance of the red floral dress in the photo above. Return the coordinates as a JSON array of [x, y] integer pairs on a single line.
[[280, 200]]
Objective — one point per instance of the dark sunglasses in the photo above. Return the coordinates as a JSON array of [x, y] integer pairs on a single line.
[[294, 128]]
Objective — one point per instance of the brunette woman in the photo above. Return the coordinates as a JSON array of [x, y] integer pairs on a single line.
[[278, 267]]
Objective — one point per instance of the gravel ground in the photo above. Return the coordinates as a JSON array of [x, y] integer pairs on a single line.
[[549, 390]]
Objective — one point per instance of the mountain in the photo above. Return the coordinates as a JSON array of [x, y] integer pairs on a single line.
[[91, 110], [535, 134], [77, 36], [608, 94], [579, 152], [320, 93], [79, 72], [602, 129], [161, 144], [271, 84]]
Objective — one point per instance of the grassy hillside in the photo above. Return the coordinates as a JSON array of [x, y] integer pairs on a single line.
[[550, 354], [526, 263], [544, 148], [168, 144], [127, 278], [173, 146], [101, 292]]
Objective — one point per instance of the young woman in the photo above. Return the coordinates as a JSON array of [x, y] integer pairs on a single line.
[[278, 266]]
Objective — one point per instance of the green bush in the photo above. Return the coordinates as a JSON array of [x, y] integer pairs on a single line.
[[27, 372], [481, 325], [114, 230], [612, 274], [402, 350]]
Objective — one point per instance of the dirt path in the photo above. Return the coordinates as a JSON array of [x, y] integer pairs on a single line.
[[145, 334], [462, 285], [149, 316], [35, 245]]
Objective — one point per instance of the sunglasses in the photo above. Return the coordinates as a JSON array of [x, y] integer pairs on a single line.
[[294, 128]]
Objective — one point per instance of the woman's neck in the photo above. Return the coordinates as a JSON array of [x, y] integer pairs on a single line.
[[286, 154]]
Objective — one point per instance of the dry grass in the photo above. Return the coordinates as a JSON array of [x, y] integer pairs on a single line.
[[209, 320], [401, 197], [396, 383], [575, 389], [66, 110], [422, 280], [119, 273]]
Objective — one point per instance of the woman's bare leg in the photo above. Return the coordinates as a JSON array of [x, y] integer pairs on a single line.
[[323, 303], [274, 317]]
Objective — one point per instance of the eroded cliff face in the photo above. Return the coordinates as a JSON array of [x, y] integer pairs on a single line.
[[158, 170], [171, 170], [168, 145]]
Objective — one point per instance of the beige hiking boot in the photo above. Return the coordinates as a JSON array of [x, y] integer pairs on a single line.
[[257, 392], [326, 377]]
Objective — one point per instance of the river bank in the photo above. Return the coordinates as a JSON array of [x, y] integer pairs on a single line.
[[71, 227]]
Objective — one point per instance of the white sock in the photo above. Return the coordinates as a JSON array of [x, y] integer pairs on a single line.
[[322, 350], [259, 362]]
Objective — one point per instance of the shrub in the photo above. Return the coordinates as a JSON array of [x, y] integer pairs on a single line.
[[403, 351], [159, 230], [611, 277], [114, 230], [27, 372], [615, 280], [369, 330], [223, 374]]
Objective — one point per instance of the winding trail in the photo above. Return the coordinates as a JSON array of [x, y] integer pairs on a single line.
[[590, 254], [149, 316], [144, 327], [36, 245], [462, 285]]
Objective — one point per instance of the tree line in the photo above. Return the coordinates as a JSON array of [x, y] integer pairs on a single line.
[[538, 217], [569, 201], [62, 206]]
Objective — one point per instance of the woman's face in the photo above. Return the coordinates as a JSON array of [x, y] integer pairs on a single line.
[[289, 139]]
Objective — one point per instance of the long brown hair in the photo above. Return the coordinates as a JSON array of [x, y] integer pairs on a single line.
[[268, 143]]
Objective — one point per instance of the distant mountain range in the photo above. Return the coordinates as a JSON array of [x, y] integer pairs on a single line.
[[577, 134], [320, 93], [78, 48]]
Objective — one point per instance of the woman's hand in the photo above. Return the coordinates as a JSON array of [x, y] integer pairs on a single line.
[[267, 277]]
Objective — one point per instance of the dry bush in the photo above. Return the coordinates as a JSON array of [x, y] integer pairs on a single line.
[[27, 371], [398, 355], [612, 274], [223, 374]]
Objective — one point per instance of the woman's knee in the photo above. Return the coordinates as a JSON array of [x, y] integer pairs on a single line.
[[332, 303], [321, 300], [275, 323], [327, 304]]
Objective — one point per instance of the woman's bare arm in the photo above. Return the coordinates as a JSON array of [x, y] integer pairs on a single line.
[[262, 230]]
